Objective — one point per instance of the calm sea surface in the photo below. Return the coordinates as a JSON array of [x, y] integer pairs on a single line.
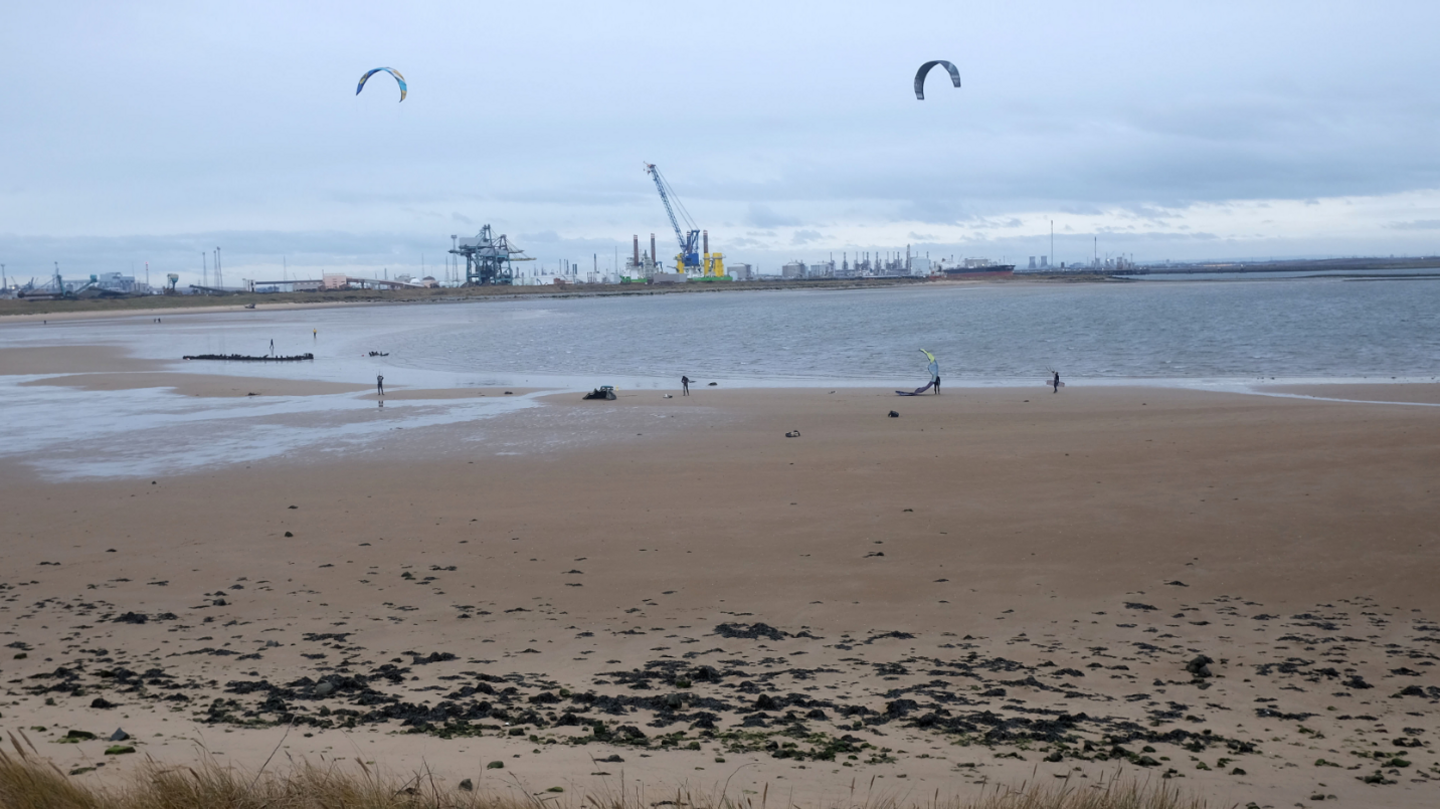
[[984, 334], [1201, 334], [1118, 331]]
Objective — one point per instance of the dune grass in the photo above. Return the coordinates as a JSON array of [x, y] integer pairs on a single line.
[[28, 781]]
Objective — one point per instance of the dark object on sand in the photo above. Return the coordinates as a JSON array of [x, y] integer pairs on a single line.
[[119, 735], [379, 353], [749, 631], [894, 414], [249, 306], [793, 434], [1199, 667], [246, 358], [713, 384], [602, 392]]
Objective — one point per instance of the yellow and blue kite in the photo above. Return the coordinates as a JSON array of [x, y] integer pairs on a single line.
[[399, 78]]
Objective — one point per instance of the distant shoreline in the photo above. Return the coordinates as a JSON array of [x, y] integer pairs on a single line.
[[177, 304]]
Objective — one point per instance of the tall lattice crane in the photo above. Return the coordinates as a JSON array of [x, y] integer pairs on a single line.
[[689, 257]]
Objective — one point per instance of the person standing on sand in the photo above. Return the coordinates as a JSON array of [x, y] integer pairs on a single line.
[[937, 384], [685, 383], [379, 385], [272, 348], [1055, 383]]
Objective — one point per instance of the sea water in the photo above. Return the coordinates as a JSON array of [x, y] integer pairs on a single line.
[[1194, 334]]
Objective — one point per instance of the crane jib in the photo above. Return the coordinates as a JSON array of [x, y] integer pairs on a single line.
[[688, 253]]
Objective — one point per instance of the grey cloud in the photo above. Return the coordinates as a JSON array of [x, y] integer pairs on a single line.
[[1416, 224], [806, 236], [763, 216]]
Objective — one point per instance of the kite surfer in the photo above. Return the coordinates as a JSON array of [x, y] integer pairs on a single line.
[[685, 383], [934, 369], [1055, 383]]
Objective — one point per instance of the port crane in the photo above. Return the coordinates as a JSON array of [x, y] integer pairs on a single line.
[[688, 261]]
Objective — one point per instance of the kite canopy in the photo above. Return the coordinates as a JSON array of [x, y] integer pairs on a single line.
[[925, 69], [399, 78], [933, 367]]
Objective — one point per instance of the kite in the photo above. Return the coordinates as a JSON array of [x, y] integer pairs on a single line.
[[925, 68], [399, 78], [933, 368]]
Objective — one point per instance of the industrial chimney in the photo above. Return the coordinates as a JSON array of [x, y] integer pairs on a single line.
[[705, 235], [637, 250], [653, 257]]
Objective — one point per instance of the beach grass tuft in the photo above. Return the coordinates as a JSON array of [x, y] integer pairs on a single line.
[[27, 781]]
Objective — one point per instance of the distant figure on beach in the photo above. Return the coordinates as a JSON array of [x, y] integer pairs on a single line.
[[315, 333], [685, 383], [272, 348], [937, 384], [379, 385], [1055, 383]]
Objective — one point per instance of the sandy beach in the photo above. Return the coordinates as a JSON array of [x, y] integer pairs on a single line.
[[996, 585]]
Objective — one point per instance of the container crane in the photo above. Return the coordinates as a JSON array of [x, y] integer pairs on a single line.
[[688, 260]]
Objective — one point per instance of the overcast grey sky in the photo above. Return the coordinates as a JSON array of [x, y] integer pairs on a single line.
[[155, 131]]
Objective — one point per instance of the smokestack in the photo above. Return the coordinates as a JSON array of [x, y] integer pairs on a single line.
[[705, 237], [637, 250], [653, 257]]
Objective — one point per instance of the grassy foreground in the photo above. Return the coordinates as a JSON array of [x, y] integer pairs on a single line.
[[30, 782]]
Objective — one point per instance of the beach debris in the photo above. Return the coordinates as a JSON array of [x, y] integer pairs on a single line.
[[1199, 667], [379, 353], [466, 786], [749, 631], [1177, 583], [495, 765], [118, 736], [509, 393], [894, 414], [119, 749], [793, 434], [668, 396], [602, 392], [713, 384]]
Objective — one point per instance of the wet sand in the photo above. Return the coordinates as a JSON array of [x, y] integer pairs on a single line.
[[993, 586]]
